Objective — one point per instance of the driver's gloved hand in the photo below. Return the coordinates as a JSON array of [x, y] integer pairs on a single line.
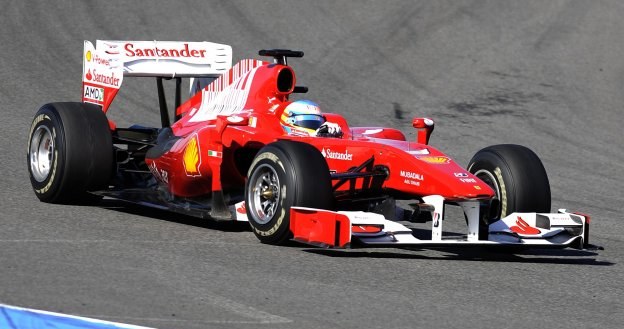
[[329, 129]]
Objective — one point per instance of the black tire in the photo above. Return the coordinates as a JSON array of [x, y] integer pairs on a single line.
[[518, 177], [70, 152], [296, 175]]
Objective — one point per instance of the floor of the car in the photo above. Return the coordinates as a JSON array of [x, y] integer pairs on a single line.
[[155, 198]]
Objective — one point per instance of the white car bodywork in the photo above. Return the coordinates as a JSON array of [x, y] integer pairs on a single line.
[[537, 230]]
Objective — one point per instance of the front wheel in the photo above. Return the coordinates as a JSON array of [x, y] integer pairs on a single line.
[[518, 177], [282, 175]]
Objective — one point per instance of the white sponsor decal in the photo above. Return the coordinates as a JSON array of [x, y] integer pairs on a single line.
[[274, 107], [461, 174], [562, 220], [235, 119], [411, 182], [411, 178], [329, 154], [418, 152], [372, 131], [412, 175], [93, 93], [468, 180]]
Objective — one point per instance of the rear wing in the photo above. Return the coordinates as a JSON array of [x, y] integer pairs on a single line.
[[106, 64]]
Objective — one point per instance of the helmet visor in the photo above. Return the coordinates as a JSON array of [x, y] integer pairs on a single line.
[[309, 121]]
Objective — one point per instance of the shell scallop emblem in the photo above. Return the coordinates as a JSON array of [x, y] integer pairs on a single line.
[[435, 159], [192, 158]]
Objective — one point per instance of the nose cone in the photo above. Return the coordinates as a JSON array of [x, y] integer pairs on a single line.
[[454, 182], [460, 188], [473, 188]]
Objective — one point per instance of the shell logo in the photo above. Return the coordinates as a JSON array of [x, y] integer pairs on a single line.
[[192, 158], [435, 159]]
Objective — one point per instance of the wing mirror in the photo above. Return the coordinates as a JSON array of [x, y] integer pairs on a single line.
[[424, 126]]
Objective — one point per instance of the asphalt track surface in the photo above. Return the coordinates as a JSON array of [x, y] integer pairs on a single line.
[[545, 74]]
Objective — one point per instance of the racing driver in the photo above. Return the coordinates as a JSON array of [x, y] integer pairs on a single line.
[[304, 118]]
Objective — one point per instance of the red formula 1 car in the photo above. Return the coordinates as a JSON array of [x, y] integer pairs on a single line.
[[237, 151]]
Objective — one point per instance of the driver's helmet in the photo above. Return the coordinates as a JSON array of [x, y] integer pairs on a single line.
[[302, 117]]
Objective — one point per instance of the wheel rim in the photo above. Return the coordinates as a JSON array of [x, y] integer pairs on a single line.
[[487, 177], [265, 194], [41, 153]]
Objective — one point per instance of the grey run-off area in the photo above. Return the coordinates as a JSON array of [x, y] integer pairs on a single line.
[[545, 74]]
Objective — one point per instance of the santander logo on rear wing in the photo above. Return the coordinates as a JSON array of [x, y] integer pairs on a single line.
[[106, 64]]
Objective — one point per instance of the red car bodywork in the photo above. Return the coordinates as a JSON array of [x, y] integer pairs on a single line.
[[253, 95]]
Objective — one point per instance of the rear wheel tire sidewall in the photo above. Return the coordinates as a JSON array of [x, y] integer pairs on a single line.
[[82, 160], [304, 181], [518, 177], [48, 188]]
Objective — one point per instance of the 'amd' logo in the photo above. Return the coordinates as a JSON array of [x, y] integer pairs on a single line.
[[93, 93]]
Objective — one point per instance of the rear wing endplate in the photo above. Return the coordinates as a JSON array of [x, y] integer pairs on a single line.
[[106, 64]]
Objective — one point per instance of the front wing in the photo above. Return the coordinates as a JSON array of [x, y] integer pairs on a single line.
[[531, 230]]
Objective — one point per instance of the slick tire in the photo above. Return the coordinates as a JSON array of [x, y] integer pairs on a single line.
[[70, 152], [282, 175], [518, 177]]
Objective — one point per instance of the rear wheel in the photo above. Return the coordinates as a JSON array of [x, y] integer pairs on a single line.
[[285, 174], [518, 177], [70, 152]]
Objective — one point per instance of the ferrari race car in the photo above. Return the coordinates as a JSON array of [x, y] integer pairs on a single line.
[[227, 155]]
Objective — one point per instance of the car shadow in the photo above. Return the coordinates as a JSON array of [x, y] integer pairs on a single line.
[[478, 254], [174, 217], [464, 253]]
